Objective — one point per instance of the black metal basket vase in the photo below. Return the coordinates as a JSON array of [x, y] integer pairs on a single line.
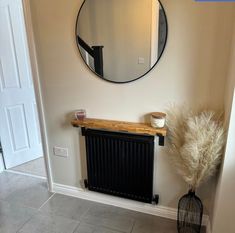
[[190, 211]]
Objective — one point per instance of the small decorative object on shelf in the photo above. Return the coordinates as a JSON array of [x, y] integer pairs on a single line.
[[158, 119], [80, 114], [196, 142]]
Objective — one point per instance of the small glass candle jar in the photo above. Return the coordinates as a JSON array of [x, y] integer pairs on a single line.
[[158, 119], [80, 114]]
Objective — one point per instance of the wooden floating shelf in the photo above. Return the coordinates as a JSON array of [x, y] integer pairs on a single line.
[[120, 126]]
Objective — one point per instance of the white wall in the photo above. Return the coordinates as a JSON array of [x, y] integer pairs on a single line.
[[223, 220], [192, 69]]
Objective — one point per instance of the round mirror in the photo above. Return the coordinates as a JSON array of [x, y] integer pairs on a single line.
[[121, 40]]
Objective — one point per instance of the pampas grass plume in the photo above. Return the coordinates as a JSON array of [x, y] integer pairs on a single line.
[[196, 143]]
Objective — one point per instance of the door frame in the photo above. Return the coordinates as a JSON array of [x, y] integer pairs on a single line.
[[154, 33], [37, 87]]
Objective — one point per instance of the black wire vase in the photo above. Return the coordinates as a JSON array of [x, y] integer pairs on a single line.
[[190, 211]]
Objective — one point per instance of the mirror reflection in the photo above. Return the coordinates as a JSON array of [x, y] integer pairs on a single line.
[[121, 40]]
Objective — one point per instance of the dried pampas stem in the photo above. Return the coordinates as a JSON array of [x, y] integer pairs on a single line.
[[196, 143]]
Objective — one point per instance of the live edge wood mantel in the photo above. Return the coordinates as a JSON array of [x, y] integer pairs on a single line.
[[121, 126]]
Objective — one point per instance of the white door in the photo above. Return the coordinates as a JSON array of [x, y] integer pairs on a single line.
[[19, 125]]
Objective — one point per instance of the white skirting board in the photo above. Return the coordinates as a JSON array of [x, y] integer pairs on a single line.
[[156, 210], [26, 174]]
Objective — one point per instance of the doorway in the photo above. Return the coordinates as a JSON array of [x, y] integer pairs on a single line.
[[20, 134]]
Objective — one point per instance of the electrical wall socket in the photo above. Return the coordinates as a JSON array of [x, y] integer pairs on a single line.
[[59, 151], [141, 60]]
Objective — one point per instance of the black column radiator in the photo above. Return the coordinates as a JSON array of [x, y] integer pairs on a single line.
[[120, 164]]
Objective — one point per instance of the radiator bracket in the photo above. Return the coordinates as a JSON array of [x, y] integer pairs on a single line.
[[161, 141], [83, 129], [86, 183], [156, 199]]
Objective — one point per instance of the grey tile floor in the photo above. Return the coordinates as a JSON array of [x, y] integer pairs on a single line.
[[27, 207], [34, 167]]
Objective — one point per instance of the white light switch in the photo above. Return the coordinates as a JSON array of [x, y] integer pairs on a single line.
[[141, 60], [62, 152]]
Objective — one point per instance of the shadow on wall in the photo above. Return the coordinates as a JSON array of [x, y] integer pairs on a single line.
[[201, 53], [80, 151]]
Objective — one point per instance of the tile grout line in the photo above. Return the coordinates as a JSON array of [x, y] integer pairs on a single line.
[[26, 222], [80, 219], [133, 226], [77, 227], [107, 227], [46, 202]]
